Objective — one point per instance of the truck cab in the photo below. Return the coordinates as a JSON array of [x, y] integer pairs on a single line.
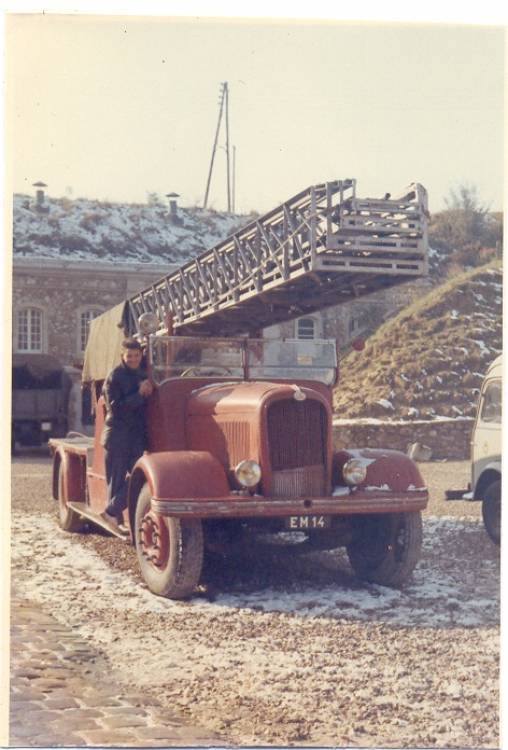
[[240, 443]]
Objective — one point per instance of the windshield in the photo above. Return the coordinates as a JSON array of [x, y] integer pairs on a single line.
[[263, 359]]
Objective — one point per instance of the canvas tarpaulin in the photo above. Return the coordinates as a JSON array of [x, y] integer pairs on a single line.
[[103, 350]]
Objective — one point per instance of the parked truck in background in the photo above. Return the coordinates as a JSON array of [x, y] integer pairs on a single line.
[[40, 399], [486, 448]]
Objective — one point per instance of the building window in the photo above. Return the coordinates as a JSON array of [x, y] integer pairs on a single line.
[[305, 328], [29, 330], [86, 317], [491, 403]]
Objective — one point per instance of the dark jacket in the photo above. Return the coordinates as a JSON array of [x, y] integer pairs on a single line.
[[125, 407]]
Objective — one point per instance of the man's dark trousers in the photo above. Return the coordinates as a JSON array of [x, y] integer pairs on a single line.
[[121, 454]]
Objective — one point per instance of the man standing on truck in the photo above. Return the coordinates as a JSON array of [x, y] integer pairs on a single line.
[[124, 436]]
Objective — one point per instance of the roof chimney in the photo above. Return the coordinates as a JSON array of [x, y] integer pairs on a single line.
[[39, 197], [173, 209]]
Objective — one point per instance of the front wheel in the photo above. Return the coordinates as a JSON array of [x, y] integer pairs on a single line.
[[491, 511], [169, 550], [385, 548]]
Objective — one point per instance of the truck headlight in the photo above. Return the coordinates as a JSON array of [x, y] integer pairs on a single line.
[[248, 473], [354, 471]]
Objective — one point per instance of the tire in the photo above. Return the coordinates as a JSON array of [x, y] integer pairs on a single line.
[[169, 550], [386, 547], [68, 519], [491, 511]]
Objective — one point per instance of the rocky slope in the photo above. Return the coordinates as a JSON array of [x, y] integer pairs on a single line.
[[429, 361]]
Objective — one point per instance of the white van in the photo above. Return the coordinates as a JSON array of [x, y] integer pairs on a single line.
[[486, 451]]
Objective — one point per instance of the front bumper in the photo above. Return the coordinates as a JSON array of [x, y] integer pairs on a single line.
[[255, 506]]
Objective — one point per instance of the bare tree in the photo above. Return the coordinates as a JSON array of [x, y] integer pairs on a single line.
[[466, 232]]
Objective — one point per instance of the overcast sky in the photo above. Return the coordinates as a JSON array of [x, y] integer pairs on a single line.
[[114, 107]]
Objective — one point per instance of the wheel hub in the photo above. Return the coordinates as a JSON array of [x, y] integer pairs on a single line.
[[154, 540]]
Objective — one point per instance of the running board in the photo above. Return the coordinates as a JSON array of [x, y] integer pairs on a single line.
[[83, 510]]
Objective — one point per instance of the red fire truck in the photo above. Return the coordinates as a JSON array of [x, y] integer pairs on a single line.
[[240, 427]]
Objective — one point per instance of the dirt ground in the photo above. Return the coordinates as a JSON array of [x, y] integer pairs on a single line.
[[285, 649]]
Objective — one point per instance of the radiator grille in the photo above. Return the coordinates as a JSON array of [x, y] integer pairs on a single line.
[[306, 481], [237, 441], [297, 432]]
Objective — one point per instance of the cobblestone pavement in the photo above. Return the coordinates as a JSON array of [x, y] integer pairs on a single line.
[[63, 692]]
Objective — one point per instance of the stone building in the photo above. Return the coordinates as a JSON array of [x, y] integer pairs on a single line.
[[54, 301]]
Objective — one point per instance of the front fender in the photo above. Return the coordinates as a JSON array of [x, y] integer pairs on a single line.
[[388, 470], [179, 474]]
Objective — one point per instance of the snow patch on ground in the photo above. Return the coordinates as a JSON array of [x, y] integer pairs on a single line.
[[443, 592]]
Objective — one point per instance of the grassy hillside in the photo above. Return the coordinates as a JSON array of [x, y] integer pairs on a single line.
[[428, 361]]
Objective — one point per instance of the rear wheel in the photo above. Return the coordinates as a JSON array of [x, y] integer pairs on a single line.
[[68, 519], [491, 511], [169, 550], [385, 548]]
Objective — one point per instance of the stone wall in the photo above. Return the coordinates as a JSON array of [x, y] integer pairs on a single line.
[[448, 438]]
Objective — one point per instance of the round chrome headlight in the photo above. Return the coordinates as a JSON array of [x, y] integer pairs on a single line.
[[248, 473], [354, 471]]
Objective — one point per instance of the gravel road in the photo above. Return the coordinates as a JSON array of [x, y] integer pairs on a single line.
[[288, 650]]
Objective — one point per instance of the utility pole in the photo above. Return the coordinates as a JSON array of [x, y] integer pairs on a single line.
[[224, 105], [226, 94], [233, 189]]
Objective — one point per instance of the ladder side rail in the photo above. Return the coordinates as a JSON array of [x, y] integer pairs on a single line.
[[386, 226], [227, 260], [285, 234], [252, 269], [292, 231], [172, 299], [267, 249], [236, 276], [329, 205], [196, 286], [356, 242], [213, 268], [221, 274], [183, 297], [241, 252], [205, 286], [282, 250], [160, 310]]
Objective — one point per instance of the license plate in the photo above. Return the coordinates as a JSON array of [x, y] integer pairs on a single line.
[[45, 425], [300, 523]]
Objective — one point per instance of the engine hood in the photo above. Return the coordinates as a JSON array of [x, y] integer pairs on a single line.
[[240, 398]]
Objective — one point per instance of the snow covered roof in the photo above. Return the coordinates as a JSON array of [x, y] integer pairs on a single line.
[[87, 230]]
